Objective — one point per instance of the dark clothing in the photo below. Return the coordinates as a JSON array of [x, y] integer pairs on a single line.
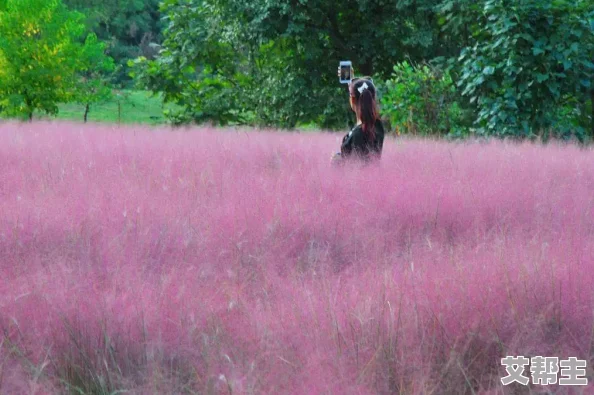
[[357, 143]]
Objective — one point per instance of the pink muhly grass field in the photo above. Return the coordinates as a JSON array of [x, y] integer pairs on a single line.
[[240, 262]]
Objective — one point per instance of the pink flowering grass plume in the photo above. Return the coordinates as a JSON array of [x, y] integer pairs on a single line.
[[241, 262]]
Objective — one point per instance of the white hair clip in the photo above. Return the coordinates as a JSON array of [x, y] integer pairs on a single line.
[[363, 87]]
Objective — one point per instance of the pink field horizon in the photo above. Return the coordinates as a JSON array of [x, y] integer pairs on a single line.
[[240, 262]]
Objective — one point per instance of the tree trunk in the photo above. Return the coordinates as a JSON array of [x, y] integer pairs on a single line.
[[86, 116], [592, 111], [29, 106]]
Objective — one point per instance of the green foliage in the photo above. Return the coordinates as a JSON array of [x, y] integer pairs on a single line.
[[93, 85], [283, 91], [422, 100], [130, 27], [460, 22], [273, 62], [198, 69], [515, 68], [41, 53], [530, 70], [126, 107]]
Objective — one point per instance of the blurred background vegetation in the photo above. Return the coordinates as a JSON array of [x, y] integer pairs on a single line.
[[448, 68]]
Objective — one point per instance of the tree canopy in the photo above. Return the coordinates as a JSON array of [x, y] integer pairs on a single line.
[[531, 61], [42, 51], [449, 67], [275, 60], [521, 66], [128, 27]]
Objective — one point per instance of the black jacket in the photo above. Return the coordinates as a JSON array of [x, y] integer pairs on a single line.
[[357, 143]]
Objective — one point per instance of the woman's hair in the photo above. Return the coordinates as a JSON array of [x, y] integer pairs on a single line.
[[363, 90]]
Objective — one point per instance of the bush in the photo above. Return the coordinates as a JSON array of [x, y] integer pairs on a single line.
[[531, 68], [421, 99]]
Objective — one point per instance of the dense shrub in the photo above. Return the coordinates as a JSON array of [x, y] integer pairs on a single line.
[[421, 99], [529, 70]]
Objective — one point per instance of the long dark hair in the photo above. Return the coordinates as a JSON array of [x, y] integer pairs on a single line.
[[363, 90]]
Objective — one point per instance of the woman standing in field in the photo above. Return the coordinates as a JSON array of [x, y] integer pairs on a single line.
[[366, 140]]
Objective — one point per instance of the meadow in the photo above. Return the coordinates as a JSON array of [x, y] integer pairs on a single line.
[[126, 107], [147, 260]]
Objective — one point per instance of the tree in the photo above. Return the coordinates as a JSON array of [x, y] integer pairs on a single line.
[[198, 68], [530, 69], [42, 51], [129, 27], [93, 86], [422, 99], [273, 62]]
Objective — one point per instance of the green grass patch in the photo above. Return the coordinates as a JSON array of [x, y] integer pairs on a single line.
[[128, 107]]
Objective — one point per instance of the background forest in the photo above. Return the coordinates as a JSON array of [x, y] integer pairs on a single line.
[[445, 67]]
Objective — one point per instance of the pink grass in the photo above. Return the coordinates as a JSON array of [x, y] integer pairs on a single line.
[[236, 261]]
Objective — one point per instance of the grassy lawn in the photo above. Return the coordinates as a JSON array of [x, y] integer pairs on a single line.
[[130, 107], [135, 107]]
